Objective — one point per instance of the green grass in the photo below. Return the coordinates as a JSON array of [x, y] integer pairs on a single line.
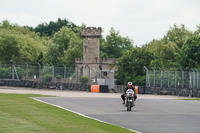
[[21, 114], [197, 99]]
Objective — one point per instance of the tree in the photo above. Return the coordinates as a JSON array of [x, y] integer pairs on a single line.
[[165, 53], [20, 44], [191, 51], [114, 45], [131, 66], [64, 47], [52, 27], [52, 54], [177, 35]]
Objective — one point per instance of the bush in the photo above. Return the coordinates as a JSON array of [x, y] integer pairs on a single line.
[[46, 74], [6, 72], [83, 79], [58, 77], [47, 77]]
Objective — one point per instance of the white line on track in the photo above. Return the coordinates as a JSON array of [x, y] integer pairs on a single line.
[[81, 114]]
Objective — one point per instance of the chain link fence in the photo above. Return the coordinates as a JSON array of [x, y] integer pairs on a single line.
[[38, 73], [173, 78], [41, 77]]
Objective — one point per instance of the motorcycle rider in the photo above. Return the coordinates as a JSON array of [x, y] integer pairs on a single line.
[[129, 86]]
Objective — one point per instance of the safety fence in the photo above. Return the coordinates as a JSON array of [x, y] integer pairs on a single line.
[[158, 81], [38, 76], [173, 82], [165, 78], [38, 73]]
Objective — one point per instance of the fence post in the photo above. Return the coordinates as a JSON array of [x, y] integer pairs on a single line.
[[190, 79], [52, 71], [147, 77], [26, 71], [39, 70], [168, 74], [154, 78], [175, 78], [197, 78], [160, 77], [64, 72], [14, 71], [77, 73], [193, 78], [12, 67], [182, 77]]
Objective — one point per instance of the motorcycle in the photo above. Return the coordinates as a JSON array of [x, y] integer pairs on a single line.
[[129, 99]]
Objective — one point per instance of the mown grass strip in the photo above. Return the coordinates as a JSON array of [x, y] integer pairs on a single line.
[[197, 99], [20, 114]]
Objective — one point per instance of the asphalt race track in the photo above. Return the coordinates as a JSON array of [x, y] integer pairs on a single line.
[[148, 116]]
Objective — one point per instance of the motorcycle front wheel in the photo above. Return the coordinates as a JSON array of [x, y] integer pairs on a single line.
[[129, 106]]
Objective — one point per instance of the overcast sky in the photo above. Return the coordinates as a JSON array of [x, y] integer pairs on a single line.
[[140, 20]]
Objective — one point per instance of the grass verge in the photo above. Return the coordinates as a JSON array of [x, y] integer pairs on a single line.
[[21, 114], [197, 99]]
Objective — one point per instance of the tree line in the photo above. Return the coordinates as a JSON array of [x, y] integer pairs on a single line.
[[60, 43]]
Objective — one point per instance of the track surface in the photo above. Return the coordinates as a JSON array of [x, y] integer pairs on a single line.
[[148, 116]]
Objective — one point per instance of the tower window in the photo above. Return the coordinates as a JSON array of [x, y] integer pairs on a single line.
[[105, 74]]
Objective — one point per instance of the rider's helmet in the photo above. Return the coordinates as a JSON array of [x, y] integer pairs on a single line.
[[130, 84]]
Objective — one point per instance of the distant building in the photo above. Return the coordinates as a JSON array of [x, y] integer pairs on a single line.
[[91, 64]]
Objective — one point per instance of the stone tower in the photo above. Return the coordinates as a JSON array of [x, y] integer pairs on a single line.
[[91, 39], [91, 65]]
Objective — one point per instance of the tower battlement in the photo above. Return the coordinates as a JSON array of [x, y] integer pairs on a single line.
[[91, 32]]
